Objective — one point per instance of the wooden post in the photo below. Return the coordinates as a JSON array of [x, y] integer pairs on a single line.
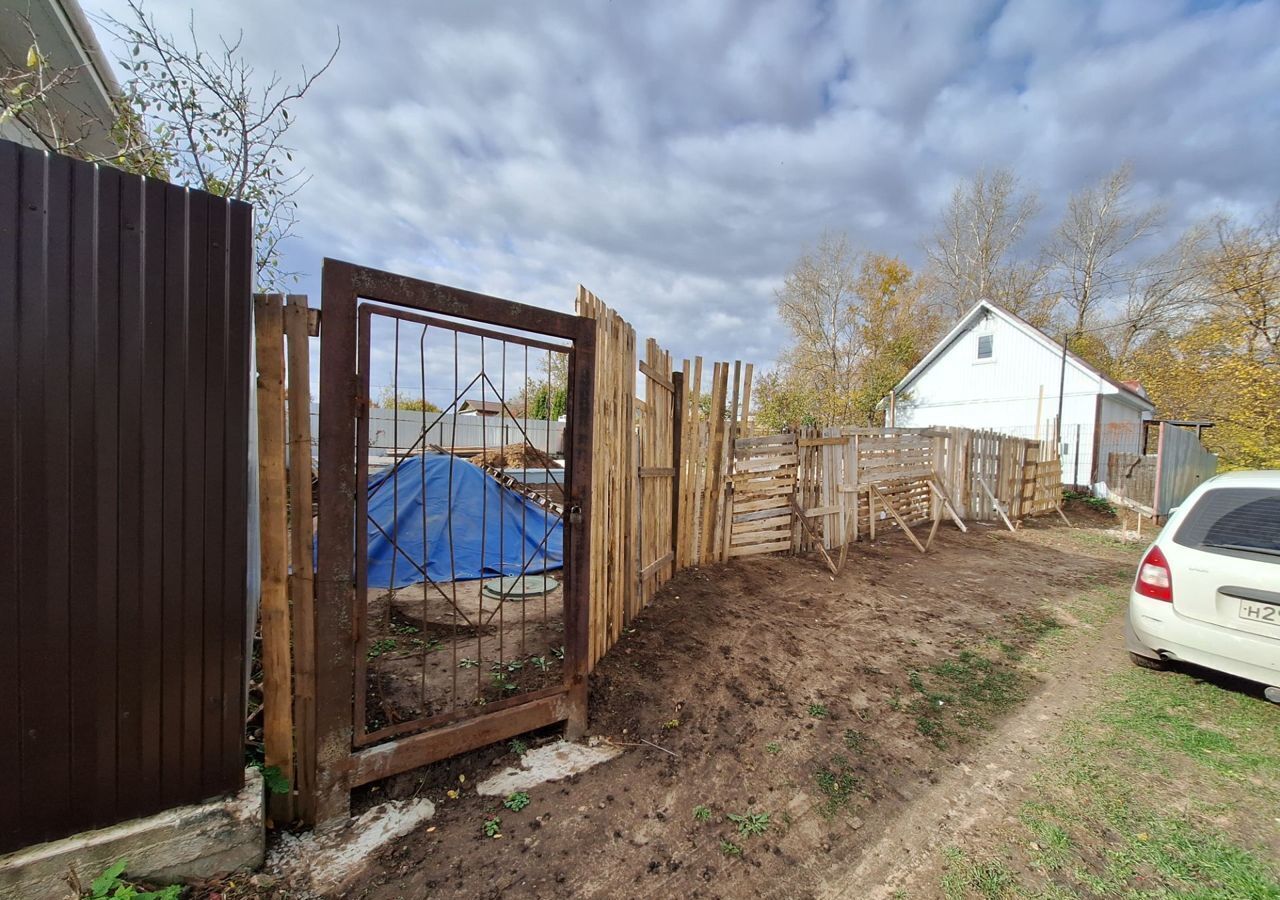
[[335, 635], [1039, 408], [730, 437], [677, 438], [715, 457], [277, 674], [301, 533]]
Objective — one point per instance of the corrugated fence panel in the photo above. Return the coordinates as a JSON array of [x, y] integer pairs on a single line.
[[123, 553], [1182, 464]]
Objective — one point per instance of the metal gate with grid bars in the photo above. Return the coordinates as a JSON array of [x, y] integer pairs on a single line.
[[443, 701]]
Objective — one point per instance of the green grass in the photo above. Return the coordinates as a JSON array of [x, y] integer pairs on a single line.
[[959, 696], [966, 877], [838, 785], [1168, 787]]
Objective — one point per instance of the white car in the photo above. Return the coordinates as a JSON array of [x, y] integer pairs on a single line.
[[1208, 590]]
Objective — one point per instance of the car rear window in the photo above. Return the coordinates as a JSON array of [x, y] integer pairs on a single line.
[[1234, 520]]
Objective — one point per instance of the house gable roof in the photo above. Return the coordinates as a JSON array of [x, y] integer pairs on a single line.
[[986, 307]]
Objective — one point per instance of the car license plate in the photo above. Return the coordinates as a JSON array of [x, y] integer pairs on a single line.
[[1260, 612]]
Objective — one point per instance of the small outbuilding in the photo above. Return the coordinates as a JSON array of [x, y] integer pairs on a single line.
[[995, 371]]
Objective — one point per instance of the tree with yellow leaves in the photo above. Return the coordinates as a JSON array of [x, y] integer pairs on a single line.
[[859, 322]]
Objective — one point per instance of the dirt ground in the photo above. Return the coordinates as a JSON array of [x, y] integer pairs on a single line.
[[774, 690], [432, 650]]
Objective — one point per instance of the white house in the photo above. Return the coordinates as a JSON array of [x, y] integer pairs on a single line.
[[997, 372]]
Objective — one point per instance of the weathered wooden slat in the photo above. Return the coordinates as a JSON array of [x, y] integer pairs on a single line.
[[774, 547], [657, 377]]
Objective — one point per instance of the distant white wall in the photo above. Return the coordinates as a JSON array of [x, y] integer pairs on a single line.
[[391, 431]]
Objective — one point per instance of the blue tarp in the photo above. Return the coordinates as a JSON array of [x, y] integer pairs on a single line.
[[495, 531]]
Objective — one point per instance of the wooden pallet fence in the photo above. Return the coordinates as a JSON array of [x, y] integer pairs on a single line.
[[854, 482], [763, 489]]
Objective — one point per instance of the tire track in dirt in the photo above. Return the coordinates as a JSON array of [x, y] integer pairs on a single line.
[[907, 856]]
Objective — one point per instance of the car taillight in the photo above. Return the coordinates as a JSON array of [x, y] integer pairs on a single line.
[[1154, 578]]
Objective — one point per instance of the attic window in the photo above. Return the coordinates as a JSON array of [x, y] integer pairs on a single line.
[[985, 345]]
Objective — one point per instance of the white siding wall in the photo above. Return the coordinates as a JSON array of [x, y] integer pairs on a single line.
[[1001, 394]]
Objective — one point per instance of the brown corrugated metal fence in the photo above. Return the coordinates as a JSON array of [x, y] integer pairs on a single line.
[[124, 369]]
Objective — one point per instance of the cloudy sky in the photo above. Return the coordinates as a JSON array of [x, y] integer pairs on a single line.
[[676, 158]]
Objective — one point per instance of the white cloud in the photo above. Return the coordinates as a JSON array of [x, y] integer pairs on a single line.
[[676, 158]]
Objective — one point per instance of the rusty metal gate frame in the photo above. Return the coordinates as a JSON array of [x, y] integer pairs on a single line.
[[342, 762]]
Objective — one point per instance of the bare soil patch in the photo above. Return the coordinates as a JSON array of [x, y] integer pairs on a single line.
[[778, 690], [435, 649]]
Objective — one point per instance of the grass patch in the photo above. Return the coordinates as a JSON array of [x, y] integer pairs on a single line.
[[1168, 787], [961, 695], [838, 785], [966, 877]]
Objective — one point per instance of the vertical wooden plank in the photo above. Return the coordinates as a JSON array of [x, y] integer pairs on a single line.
[[335, 645], [277, 669], [731, 433], [302, 570], [715, 454], [678, 433], [578, 492]]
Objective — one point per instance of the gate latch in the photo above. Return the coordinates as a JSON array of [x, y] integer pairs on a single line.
[[575, 515]]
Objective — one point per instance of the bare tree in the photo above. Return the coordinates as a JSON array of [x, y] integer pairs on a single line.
[[817, 302], [969, 254], [1087, 251], [1160, 293], [218, 126]]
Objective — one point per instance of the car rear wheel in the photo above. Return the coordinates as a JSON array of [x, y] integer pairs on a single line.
[[1146, 662]]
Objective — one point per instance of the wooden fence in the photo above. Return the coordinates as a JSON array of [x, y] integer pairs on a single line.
[[283, 327], [678, 480], [762, 496], [661, 488], [852, 481]]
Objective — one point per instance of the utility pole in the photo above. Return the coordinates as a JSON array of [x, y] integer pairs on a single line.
[[1062, 384]]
